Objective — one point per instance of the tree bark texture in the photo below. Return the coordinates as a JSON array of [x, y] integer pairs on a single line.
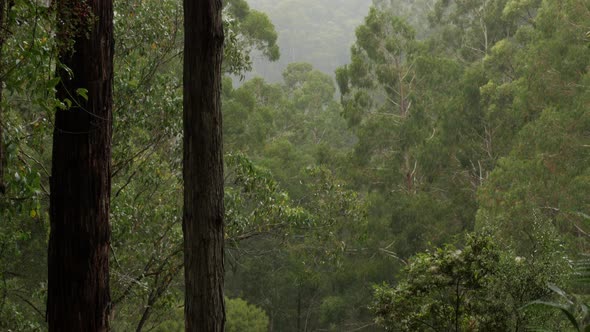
[[78, 256], [3, 33], [2, 158], [203, 167]]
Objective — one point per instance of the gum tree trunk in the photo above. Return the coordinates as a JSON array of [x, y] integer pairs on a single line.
[[203, 167], [78, 256], [3, 34]]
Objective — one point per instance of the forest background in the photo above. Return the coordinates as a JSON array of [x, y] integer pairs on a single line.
[[434, 176]]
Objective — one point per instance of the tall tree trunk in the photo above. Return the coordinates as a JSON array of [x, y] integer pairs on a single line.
[[203, 167], [2, 186], [5, 7], [78, 258], [3, 33]]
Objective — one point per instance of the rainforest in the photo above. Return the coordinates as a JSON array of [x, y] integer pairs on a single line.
[[294, 165]]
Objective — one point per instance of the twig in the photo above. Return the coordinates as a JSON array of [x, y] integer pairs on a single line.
[[30, 304]]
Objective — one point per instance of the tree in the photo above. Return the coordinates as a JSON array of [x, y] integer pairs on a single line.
[[470, 27], [396, 93], [5, 7], [147, 155], [544, 172], [78, 255], [480, 287], [203, 166], [246, 30], [245, 317], [2, 37], [241, 317]]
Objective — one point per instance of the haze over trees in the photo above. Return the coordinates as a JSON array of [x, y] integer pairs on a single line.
[[315, 32], [421, 166]]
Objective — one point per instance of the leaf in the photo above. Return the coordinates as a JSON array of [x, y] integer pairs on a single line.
[[565, 309], [53, 82], [560, 292], [82, 93], [68, 103]]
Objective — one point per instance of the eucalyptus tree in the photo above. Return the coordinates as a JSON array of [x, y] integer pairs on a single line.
[[378, 91], [203, 212], [471, 27], [147, 155], [543, 175], [3, 27], [78, 256], [395, 93]]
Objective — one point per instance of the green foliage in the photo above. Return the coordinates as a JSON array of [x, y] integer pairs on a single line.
[[470, 28], [297, 257], [246, 30], [242, 316], [477, 121], [571, 307], [544, 174], [479, 287], [146, 204], [255, 205], [403, 100], [289, 126], [27, 77]]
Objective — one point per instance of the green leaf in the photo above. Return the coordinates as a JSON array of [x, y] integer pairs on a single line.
[[82, 93], [565, 309], [68, 103]]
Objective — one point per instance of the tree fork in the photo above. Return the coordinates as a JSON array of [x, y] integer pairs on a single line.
[[203, 167]]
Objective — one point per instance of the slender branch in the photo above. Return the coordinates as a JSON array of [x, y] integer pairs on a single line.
[[393, 254], [31, 305], [36, 162], [118, 166], [126, 183], [361, 327]]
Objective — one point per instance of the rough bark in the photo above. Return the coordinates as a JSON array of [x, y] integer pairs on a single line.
[[2, 186], [203, 167], [3, 32], [5, 7], [78, 256]]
